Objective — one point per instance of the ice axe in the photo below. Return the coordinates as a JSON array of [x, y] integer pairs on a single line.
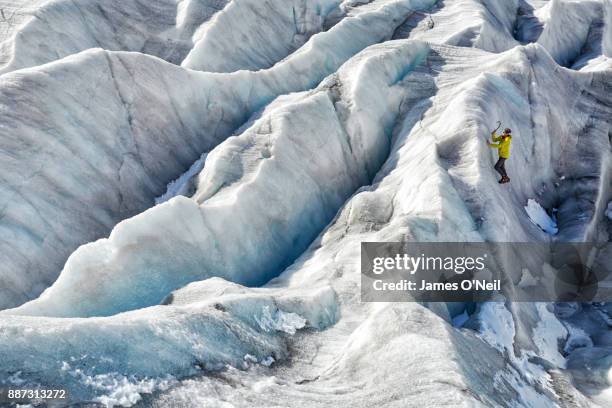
[[496, 129]]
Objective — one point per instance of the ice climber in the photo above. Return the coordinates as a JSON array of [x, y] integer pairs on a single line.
[[503, 149]]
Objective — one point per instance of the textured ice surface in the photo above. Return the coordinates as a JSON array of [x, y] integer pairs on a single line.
[[255, 34], [566, 45], [151, 122], [365, 121], [242, 176], [37, 32], [202, 327]]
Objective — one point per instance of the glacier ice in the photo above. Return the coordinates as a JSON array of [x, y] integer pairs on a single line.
[[249, 165], [109, 358], [115, 154], [235, 40], [38, 32], [360, 121], [566, 45]]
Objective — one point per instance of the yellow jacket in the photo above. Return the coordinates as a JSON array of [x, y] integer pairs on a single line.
[[503, 145]]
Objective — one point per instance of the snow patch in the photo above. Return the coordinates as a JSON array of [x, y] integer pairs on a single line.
[[114, 389], [497, 326], [250, 359], [277, 320], [547, 334], [540, 217]]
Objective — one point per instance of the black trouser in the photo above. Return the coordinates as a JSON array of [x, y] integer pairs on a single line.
[[500, 167]]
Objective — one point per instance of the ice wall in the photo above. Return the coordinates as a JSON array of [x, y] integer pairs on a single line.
[[564, 44]]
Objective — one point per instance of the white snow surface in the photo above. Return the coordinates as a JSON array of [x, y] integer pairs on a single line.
[[339, 123], [540, 217]]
